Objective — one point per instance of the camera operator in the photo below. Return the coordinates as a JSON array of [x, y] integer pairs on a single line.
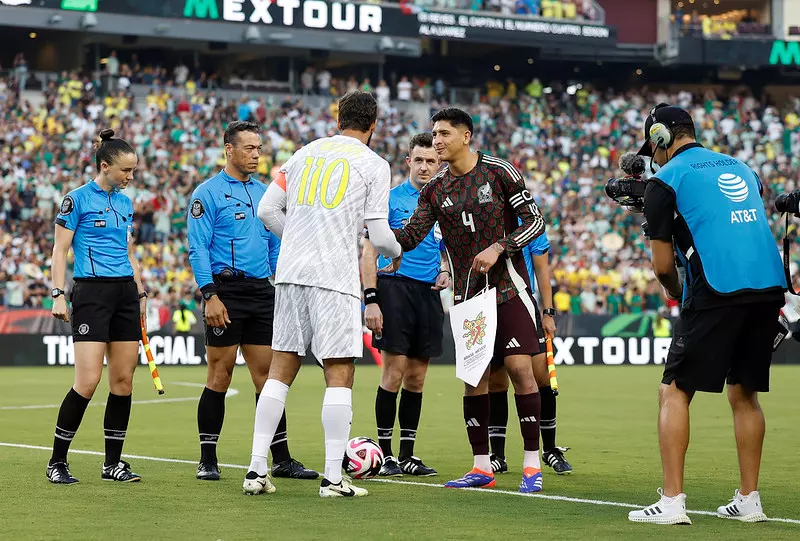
[[705, 208]]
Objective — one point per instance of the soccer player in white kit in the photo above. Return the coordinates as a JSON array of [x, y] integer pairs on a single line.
[[329, 189]]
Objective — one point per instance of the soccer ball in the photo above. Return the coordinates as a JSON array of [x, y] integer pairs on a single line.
[[362, 458]]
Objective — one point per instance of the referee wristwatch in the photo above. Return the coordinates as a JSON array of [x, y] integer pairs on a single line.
[[549, 312], [208, 294], [56, 292]]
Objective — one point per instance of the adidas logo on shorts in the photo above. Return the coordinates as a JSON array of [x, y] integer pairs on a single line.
[[512, 344]]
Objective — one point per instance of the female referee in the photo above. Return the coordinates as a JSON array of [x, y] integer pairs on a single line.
[[107, 298]]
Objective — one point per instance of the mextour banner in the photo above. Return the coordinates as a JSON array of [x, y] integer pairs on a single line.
[[403, 19]]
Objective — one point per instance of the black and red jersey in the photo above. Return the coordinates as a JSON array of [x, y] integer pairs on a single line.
[[487, 205]]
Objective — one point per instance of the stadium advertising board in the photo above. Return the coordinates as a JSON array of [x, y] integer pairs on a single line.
[[753, 53], [365, 18], [626, 339], [490, 28], [785, 53]]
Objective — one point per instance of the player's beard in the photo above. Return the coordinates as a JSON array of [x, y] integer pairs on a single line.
[[369, 138]]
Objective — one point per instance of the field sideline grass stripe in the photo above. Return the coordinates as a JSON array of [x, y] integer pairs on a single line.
[[397, 482], [231, 392], [125, 455]]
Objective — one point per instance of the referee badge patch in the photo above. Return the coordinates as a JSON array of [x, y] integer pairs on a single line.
[[67, 204], [83, 329], [197, 209]]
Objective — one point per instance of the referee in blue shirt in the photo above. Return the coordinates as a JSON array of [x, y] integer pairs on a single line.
[[107, 299], [233, 256], [404, 311], [538, 265]]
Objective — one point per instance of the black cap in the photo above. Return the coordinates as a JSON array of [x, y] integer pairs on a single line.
[[669, 115]]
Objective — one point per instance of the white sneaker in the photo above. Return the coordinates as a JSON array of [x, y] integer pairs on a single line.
[[344, 489], [664, 511], [255, 484], [743, 508]]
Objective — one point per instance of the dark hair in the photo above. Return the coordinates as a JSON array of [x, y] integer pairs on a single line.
[[420, 140], [455, 116], [357, 111], [684, 130], [236, 127], [109, 148]]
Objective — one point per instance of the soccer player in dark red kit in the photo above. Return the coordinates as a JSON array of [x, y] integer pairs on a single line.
[[486, 217]]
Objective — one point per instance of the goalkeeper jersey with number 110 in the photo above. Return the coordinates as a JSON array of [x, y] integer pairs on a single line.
[[333, 185]]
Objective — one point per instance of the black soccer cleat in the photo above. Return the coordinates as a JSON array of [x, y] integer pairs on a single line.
[[208, 471], [293, 469], [415, 466], [390, 468], [499, 464], [58, 474], [120, 472], [555, 459]]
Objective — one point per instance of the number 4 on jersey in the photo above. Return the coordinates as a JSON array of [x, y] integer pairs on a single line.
[[468, 220]]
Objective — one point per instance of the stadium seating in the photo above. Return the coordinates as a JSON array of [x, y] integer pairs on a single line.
[[566, 141]]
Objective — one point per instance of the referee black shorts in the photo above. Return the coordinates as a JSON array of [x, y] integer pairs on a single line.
[[250, 303], [412, 317], [731, 344], [105, 310]]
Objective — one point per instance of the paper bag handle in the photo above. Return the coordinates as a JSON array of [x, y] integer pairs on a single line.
[[466, 286]]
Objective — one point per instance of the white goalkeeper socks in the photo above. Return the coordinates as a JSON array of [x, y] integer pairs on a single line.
[[269, 411], [337, 414]]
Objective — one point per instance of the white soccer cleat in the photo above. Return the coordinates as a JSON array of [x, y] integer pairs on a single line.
[[344, 489], [255, 484], [744, 508], [664, 511]]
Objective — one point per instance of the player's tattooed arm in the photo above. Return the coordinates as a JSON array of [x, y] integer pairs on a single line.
[[525, 207], [418, 226]]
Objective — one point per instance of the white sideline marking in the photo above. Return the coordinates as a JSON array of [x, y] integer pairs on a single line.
[[396, 482], [231, 392]]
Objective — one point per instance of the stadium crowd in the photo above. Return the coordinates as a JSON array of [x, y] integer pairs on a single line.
[[565, 140]]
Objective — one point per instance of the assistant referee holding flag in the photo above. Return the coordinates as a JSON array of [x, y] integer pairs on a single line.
[[232, 256], [705, 208], [96, 220]]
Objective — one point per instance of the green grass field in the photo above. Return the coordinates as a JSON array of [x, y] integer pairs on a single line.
[[606, 414]]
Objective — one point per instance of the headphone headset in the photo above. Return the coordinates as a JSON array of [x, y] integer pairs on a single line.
[[660, 134]]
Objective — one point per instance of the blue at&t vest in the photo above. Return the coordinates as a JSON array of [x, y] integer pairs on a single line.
[[718, 198]]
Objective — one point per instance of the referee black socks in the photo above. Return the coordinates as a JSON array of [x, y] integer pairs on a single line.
[[408, 415], [69, 419], [210, 414], [385, 411], [498, 421], [115, 425]]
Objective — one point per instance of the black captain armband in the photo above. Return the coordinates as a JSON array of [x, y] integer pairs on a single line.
[[520, 198], [370, 295]]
